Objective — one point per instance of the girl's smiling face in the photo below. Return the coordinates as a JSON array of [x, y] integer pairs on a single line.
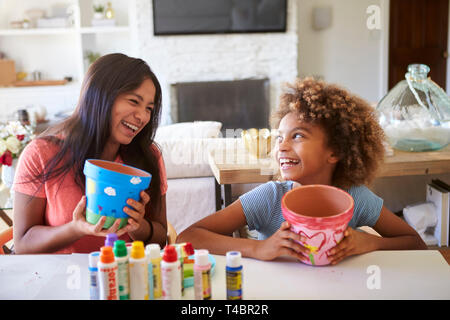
[[302, 152], [131, 112]]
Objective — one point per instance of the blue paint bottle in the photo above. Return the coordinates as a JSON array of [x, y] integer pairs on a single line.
[[234, 275], [93, 275]]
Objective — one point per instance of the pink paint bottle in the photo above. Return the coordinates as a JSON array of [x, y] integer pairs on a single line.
[[202, 275]]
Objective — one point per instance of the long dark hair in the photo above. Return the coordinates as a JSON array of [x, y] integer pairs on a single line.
[[84, 134]]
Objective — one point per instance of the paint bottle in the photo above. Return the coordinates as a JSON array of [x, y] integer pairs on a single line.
[[202, 275], [108, 275], [179, 250], [129, 245], [188, 263], [171, 274], [120, 252], [234, 275], [138, 272], [93, 275], [154, 253], [110, 239], [189, 250], [151, 295]]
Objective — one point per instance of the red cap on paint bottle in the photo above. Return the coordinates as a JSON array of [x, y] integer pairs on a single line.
[[170, 254], [189, 249]]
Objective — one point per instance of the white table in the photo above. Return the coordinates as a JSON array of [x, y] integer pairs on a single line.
[[402, 275]]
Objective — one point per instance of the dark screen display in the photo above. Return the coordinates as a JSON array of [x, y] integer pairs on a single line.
[[218, 16]]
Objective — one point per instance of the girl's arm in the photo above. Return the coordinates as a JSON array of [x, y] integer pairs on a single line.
[[395, 233], [29, 232], [31, 235], [213, 233]]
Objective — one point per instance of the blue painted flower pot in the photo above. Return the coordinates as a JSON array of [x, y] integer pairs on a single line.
[[108, 187]]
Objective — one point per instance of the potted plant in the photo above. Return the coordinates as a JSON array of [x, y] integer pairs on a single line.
[[92, 56], [99, 11]]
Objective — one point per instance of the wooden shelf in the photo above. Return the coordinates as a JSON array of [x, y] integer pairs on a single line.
[[404, 163], [229, 170], [58, 31], [94, 30], [39, 83], [74, 85], [36, 31]]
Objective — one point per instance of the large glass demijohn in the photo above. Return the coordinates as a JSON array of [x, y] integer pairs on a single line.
[[415, 114]]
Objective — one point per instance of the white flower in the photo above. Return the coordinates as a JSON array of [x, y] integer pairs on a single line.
[[13, 144], [15, 128], [3, 132], [9, 137], [3, 147]]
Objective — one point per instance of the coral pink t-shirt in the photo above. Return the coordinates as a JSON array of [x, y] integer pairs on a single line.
[[62, 194]]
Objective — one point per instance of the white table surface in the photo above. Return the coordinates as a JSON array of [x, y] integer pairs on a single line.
[[403, 275]]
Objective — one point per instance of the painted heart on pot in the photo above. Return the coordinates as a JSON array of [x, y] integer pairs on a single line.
[[314, 242], [338, 235]]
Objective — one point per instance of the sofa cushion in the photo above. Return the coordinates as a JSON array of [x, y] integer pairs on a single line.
[[188, 157]]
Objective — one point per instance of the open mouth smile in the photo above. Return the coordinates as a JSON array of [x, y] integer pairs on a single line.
[[133, 128], [287, 163]]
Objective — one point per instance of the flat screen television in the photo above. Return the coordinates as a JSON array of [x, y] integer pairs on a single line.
[[172, 17]]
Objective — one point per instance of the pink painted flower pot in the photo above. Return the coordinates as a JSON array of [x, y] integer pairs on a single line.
[[321, 214]]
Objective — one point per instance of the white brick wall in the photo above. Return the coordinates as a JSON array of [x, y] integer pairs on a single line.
[[213, 57]]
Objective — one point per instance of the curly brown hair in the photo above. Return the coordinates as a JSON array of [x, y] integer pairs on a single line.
[[349, 122]]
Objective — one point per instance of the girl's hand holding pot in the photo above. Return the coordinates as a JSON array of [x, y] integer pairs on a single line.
[[284, 242], [136, 215], [85, 228], [354, 242]]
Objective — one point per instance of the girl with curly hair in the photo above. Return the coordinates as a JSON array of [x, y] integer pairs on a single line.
[[326, 135]]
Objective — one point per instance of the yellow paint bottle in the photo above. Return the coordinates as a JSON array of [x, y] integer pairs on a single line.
[[154, 253], [138, 272]]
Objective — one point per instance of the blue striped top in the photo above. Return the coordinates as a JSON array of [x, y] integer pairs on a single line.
[[262, 207]]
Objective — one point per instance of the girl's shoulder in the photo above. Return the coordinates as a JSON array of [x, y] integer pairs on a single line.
[[360, 191], [367, 206], [277, 188], [272, 189], [156, 150], [283, 186], [44, 147]]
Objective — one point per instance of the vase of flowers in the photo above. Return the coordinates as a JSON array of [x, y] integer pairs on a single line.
[[13, 138]]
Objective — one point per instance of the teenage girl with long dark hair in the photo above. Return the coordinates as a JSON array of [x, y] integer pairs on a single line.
[[116, 119]]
